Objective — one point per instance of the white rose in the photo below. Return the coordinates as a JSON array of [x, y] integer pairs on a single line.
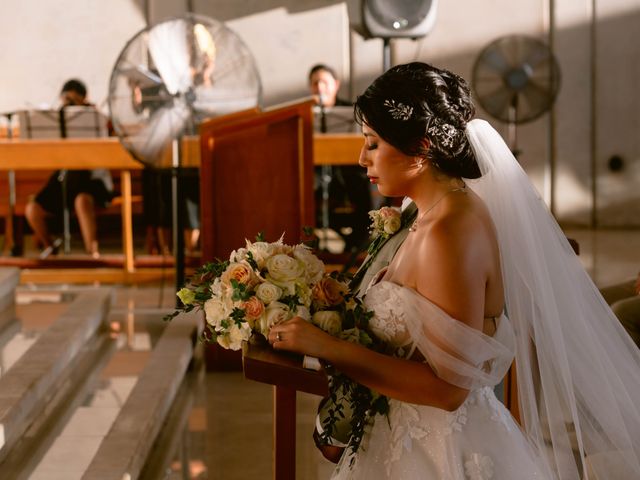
[[288, 288], [392, 225], [283, 268], [215, 312], [238, 255], [234, 336], [268, 292], [216, 287], [314, 268], [328, 320], [304, 293], [260, 251], [239, 334], [275, 313]]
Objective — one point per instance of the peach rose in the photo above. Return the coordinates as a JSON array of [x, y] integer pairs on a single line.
[[253, 309], [240, 272], [329, 292]]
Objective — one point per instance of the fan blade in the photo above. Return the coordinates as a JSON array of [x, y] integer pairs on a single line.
[[233, 84], [220, 102], [497, 103], [169, 49], [163, 126], [495, 61], [538, 99], [509, 53], [140, 75], [537, 57]]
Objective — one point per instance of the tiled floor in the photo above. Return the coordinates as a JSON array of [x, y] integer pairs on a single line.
[[228, 434]]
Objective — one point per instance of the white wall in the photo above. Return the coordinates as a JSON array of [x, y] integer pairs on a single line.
[[46, 42], [51, 41]]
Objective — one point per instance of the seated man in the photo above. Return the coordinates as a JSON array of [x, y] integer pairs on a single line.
[[85, 190], [349, 188]]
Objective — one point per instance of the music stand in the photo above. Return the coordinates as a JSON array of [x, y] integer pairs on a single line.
[[73, 121], [336, 119]]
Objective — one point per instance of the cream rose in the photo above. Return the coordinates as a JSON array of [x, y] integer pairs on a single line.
[[329, 292], [385, 221], [275, 313], [328, 320], [238, 255], [241, 272], [215, 312], [232, 339], [268, 292], [392, 225], [261, 251], [283, 268], [313, 266]]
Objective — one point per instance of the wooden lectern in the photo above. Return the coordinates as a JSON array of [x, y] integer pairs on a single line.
[[256, 175]]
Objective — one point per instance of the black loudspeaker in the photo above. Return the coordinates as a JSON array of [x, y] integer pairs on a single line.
[[392, 18]]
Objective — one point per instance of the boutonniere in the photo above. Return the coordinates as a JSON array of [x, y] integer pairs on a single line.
[[385, 222]]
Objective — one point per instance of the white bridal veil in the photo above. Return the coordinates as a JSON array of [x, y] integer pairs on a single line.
[[578, 372]]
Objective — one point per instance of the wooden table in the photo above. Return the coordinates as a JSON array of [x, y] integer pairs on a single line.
[[90, 153], [284, 371]]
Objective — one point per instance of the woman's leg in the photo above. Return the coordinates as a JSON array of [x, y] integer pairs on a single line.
[[37, 218], [85, 210]]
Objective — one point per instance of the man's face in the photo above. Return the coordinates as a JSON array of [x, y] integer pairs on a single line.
[[71, 97], [322, 84]]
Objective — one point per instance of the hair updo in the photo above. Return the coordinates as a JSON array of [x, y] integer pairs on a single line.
[[411, 102]]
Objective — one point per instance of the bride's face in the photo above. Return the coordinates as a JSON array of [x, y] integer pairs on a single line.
[[387, 167]]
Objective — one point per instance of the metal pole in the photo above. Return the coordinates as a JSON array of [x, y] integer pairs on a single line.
[[594, 123], [178, 223], [11, 177], [551, 171], [386, 54], [325, 181]]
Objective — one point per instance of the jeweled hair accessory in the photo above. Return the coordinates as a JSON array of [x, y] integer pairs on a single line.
[[397, 110], [445, 133]]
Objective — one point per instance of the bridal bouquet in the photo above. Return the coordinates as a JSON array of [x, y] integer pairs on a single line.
[[263, 284]]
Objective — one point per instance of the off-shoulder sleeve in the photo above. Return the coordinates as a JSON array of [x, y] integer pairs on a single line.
[[459, 354]]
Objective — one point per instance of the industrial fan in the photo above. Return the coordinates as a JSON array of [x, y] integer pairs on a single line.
[[516, 79], [168, 78]]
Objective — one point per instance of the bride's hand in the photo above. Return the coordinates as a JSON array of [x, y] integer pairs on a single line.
[[300, 336]]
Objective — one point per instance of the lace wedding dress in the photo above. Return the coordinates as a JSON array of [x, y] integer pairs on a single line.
[[578, 371], [478, 441]]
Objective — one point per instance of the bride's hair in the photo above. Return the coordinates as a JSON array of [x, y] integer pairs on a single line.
[[411, 102]]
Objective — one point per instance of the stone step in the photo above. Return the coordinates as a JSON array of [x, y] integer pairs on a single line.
[[9, 278], [31, 383], [124, 451]]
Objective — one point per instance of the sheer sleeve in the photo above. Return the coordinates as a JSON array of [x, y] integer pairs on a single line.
[[458, 354]]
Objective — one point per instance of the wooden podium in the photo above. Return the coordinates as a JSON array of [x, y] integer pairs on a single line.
[[256, 175]]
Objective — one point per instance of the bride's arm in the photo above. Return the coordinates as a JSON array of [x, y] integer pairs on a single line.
[[406, 380], [451, 272]]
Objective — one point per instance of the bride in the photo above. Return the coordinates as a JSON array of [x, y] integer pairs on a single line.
[[484, 276]]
